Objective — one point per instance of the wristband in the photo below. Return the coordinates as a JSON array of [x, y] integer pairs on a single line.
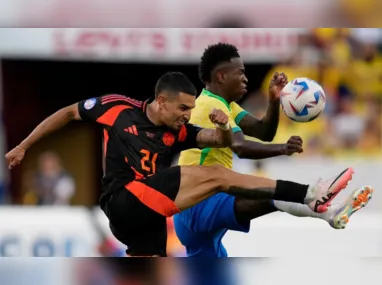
[[224, 127]]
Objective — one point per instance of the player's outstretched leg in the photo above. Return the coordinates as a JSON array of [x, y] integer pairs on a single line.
[[338, 215], [200, 182]]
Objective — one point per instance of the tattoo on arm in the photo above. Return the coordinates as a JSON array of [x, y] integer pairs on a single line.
[[209, 138]]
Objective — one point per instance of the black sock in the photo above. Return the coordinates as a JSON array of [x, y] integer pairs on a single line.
[[290, 191]]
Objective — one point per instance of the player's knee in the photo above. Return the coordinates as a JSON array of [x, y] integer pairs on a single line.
[[219, 175]]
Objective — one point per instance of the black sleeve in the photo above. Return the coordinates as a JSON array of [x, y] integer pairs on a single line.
[[91, 109], [187, 136], [102, 110]]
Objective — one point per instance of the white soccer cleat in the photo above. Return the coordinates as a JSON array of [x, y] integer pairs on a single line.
[[356, 201], [325, 191]]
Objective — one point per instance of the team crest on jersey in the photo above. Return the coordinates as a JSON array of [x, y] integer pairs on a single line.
[[168, 139], [90, 103]]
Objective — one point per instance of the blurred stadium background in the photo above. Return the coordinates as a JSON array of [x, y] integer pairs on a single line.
[[49, 203], [190, 13]]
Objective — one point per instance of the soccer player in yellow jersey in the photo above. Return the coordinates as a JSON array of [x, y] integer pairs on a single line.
[[202, 227]]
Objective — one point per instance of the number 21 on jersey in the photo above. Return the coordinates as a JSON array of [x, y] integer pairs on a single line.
[[146, 159]]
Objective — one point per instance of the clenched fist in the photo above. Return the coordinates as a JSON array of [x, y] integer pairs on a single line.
[[14, 157], [293, 145], [219, 118], [277, 84]]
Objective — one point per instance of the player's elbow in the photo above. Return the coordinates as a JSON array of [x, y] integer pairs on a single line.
[[238, 148], [268, 137], [265, 133]]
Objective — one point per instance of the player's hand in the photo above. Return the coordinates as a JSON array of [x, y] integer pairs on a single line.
[[219, 118], [293, 145], [14, 157], [278, 82]]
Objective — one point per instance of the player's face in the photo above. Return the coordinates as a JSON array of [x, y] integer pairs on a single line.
[[176, 110], [235, 81]]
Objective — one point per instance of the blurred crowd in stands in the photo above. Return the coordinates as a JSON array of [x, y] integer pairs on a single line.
[[348, 64]]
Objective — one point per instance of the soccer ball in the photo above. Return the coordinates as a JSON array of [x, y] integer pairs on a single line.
[[302, 100]]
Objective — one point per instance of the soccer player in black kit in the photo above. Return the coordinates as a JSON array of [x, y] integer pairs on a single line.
[[140, 139]]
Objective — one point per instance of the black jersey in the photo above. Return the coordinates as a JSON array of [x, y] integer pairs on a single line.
[[133, 147]]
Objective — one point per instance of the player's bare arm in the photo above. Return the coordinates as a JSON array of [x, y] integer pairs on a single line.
[[266, 128], [254, 150], [46, 127], [222, 136]]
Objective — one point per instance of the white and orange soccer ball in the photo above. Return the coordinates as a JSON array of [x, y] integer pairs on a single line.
[[303, 100]]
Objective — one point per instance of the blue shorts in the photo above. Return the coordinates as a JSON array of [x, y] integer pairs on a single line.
[[202, 227]]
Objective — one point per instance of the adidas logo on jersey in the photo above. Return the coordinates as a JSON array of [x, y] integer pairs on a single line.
[[132, 130]]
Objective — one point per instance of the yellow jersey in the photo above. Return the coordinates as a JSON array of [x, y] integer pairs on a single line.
[[200, 116]]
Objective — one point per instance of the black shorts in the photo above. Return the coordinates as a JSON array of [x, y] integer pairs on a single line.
[[137, 213]]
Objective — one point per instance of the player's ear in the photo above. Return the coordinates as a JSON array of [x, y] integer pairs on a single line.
[[161, 99], [220, 77]]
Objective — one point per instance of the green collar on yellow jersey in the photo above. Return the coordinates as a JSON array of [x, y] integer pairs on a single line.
[[210, 94]]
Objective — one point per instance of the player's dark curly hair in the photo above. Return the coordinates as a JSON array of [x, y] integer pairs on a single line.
[[214, 55]]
